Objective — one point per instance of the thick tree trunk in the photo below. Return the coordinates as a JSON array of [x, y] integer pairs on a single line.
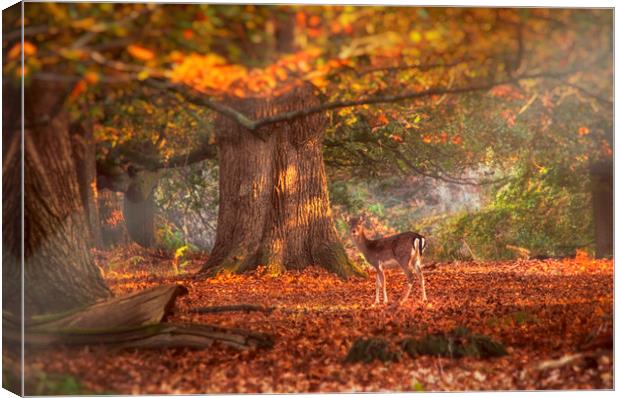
[[274, 207], [12, 353], [84, 155], [11, 193], [603, 202], [59, 273]]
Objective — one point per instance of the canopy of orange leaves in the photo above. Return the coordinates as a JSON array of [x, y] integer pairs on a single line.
[[212, 74]]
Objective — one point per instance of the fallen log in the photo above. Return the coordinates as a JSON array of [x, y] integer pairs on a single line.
[[134, 320]]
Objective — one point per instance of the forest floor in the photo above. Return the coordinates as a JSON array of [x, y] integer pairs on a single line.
[[544, 312]]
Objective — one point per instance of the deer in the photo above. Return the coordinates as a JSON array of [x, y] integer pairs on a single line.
[[404, 250]]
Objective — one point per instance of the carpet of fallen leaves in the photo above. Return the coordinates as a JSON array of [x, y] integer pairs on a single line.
[[540, 310]]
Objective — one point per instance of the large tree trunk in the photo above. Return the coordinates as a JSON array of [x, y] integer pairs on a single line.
[[11, 179], [84, 154], [59, 273], [12, 353], [274, 208]]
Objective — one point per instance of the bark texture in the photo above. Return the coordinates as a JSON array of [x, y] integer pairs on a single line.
[[59, 272], [83, 144], [11, 197], [274, 206], [12, 365]]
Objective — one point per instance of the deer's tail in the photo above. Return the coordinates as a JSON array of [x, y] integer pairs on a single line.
[[419, 244]]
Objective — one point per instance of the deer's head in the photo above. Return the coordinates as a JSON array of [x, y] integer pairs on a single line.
[[356, 227]]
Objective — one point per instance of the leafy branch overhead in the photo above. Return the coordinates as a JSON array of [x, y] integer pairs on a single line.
[[402, 74]]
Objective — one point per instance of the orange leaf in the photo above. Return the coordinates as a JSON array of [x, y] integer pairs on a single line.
[[383, 119], [188, 34], [396, 138], [300, 19], [314, 20], [281, 73], [78, 89], [141, 53], [583, 131], [91, 77], [239, 92], [15, 51]]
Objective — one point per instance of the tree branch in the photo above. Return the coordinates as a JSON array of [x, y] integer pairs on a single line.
[[445, 177], [195, 97], [420, 67], [288, 116], [155, 162], [586, 92]]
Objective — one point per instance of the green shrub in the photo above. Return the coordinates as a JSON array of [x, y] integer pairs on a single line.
[[538, 214]]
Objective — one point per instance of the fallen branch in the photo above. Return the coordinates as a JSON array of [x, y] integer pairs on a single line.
[[149, 336], [570, 359], [561, 362], [232, 308], [135, 320]]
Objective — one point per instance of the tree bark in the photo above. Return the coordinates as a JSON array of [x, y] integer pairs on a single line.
[[11, 194], [86, 167], [12, 353], [274, 206], [59, 272]]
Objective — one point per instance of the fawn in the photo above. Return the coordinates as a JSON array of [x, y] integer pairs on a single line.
[[404, 250]]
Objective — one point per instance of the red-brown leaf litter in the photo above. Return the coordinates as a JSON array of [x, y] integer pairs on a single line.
[[543, 311]]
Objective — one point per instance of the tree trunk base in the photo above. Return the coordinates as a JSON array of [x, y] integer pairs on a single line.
[[274, 205]]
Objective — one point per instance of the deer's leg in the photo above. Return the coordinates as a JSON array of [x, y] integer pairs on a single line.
[[381, 274], [410, 278], [418, 270], [377, 287]]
